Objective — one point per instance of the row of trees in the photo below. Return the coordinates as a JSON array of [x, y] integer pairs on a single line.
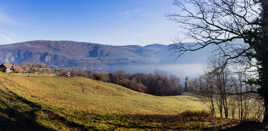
[[158, 83], [217, 23], [33, 68], [228, 92]]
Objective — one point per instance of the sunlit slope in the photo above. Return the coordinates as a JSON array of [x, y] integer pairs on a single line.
[[94, 96]]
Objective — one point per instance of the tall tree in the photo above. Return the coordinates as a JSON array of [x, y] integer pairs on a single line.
[[262, 57], [219, 23], [186, 84]]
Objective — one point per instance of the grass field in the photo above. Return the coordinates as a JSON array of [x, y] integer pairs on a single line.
[[35, 102]]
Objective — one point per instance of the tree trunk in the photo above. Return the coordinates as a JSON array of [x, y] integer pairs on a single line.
[[264, 87], [262, 52], [212, 107], [265, 118], [226, 108]]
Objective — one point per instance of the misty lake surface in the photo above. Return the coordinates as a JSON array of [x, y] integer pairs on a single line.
[[180, 70]]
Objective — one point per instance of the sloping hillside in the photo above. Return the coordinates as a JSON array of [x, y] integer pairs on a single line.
[[94, 96], [58, 103]]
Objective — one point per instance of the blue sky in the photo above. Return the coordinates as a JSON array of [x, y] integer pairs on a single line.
[[114, 22]]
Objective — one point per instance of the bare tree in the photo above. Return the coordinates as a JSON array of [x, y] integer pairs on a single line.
[[229, 92], [221, 76], [208, 91], [219, 22], [216, 87]]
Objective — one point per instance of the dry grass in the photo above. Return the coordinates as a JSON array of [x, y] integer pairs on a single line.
[[40, 102], [94, 96]]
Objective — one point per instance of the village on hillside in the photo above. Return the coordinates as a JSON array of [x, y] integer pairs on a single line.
[[9, 68], [24, 68]]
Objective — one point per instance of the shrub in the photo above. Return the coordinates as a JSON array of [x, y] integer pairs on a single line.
[[100, 76], [194, 115]]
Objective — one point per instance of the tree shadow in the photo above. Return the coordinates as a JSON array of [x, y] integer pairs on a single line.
[[157, 122], [178, 122], [13, 119], [247, 126]]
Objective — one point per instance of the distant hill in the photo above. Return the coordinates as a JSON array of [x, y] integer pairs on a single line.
[[92, 56]]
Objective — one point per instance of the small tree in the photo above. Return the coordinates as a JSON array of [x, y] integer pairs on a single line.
[[186, 84]]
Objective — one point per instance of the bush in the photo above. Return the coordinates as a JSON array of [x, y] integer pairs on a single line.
[[194, 115], [100, 76]]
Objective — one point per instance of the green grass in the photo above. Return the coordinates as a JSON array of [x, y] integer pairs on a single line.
[[40, 102]]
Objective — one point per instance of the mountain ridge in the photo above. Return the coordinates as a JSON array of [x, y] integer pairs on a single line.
[[87, 55]]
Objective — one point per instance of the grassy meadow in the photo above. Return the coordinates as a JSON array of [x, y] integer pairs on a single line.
[[40, 102]]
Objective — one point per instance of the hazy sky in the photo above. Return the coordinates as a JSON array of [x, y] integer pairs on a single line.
[[116, 22]]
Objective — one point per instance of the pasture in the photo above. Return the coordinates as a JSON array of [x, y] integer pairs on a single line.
[[32, 102]]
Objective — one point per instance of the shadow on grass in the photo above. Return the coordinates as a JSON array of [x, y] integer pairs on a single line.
[[247, 126], [15, 119], [184, 121], [12, 119], [196, 121]]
